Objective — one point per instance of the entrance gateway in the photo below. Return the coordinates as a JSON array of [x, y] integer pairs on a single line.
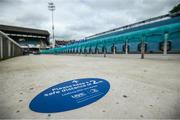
[[70, 95]]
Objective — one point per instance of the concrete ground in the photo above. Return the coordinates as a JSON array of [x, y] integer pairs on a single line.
[[148, 88]]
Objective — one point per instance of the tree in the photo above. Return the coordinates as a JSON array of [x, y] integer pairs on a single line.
[[175, 10]]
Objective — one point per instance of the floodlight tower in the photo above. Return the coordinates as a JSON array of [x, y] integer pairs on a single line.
[[52, 8]]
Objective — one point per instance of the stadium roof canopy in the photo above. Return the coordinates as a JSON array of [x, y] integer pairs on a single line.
[[18, 32], [23, 30]]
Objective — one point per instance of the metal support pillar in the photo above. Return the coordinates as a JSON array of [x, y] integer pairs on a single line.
[[85, 52], [9, 48], [1, 47], [142, 48], [126, 47], [165, 43], [114, 51], [104, 52], [13, 50]]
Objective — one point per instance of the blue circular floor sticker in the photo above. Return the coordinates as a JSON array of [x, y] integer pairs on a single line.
[[70, 95]]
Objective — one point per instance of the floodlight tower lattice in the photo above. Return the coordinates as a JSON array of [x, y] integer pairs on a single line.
[[51, 7]]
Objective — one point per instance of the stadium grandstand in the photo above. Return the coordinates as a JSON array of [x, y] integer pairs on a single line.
[[155, 35], [60, 43], [30, 40]]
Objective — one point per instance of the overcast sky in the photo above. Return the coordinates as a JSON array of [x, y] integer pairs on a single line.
[[75, 19]]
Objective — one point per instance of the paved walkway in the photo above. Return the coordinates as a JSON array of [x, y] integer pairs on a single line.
[[148, 88]]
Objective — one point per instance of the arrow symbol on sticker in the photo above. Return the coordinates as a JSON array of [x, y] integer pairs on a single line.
[[74, 81]]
